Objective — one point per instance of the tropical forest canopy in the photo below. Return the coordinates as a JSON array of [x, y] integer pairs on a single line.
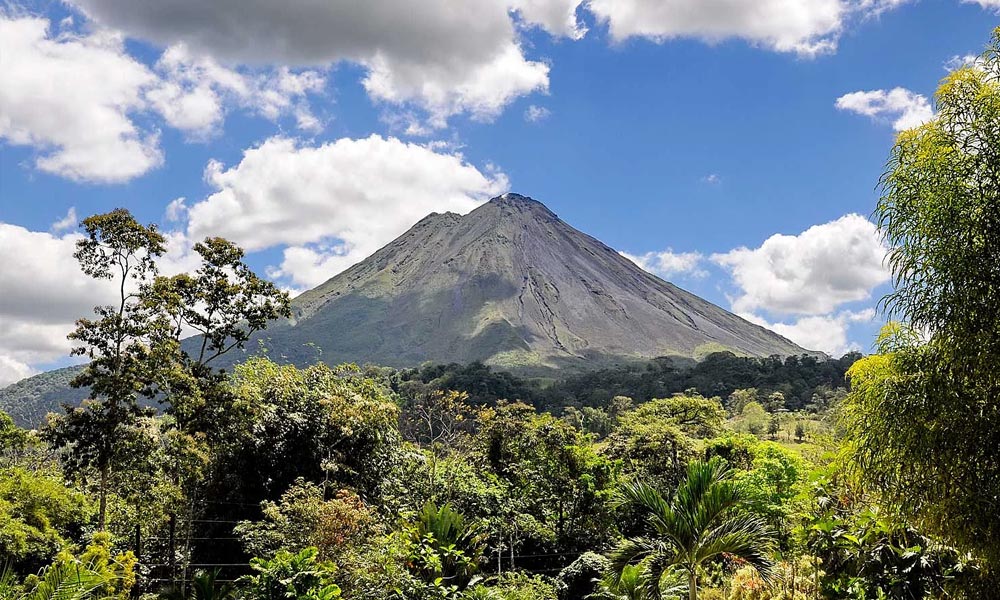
[[730, 479]]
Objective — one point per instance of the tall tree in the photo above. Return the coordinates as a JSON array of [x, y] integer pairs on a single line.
[[924, 415], [222, 304], [124, 342], [697, 525]]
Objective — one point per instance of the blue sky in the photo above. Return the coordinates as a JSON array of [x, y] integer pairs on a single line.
[[726, 146]]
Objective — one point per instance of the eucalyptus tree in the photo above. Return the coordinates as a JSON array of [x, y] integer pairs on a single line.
[[698, 524]]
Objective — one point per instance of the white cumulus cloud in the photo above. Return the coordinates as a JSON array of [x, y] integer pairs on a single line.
[[805, 27], [993, 5], [668, 263], [44, 293], [75, 98], [443, 56], [333, 204], [534, 113], [811, 273], [558, 17], [827, 333], [72, 98], [70, 221], [903, 108]]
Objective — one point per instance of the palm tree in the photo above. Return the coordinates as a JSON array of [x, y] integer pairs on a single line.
[[628, 585], [698, 524], [203, 587], [60, 581], [458, 545]]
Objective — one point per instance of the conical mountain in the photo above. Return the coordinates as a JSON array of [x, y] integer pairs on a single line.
[[512, 285]]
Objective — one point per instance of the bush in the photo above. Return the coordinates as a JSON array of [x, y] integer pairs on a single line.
[[581, 578], [290, 576]]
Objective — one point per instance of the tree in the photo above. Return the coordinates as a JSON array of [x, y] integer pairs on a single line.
[[864, 552], [773, 427], [775, 401], [135, 346], [698, 524], [654, 441], [37, 515], [558, 482], [923, 415], [96, 573], [753, 419], [303, 518], [224, 302], [125, 344], [436, 418], [330, 425]]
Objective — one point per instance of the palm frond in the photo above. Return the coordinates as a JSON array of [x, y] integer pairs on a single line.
[[630, 552], [69, 581], [744, 536], [660, 577], [661, 514]]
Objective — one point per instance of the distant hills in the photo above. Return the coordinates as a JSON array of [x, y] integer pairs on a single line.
[[29, 400], [509, 284]]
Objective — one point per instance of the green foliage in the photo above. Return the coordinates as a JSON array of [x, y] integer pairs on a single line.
[[798, 378], [698, 524], [771, 479], [514, 585], [38, 513], [627, 585], [752, 419], [96, 573], [694, 415], [125, 344], [436, 419], [923, 416], [340, 425], [793, 580], [290, 576], [445, 550], [582, 577], [204, 586], [62, 582], [654, 441], [483, 385], [29, 400], [557, 482], [224, 302], [866, 553], [304, 519], [13, 440]]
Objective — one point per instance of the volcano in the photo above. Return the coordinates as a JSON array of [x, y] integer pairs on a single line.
[[511, 285]]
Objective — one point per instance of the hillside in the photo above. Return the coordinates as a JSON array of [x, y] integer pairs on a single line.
[[27, 401]]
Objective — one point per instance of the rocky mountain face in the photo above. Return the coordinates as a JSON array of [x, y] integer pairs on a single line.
[[512, 285]]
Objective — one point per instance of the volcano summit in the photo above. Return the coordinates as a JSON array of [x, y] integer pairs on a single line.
[[512, 285]]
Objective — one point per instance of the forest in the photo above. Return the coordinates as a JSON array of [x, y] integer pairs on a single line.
[[733, 479]]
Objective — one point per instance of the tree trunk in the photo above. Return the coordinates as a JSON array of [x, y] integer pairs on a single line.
[[692, 586], [172, 548], [102, 518]]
